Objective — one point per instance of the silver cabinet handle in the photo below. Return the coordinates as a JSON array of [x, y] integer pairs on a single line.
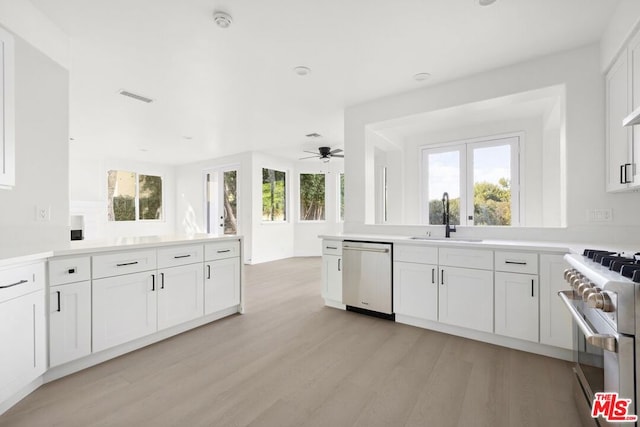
[[14, 284], [357, 249], [181, 256], [59, 306], [208, 271], [516, 262], [606, 342], [224, 251], [332, 247]]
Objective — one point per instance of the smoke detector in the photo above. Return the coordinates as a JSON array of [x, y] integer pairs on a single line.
[[222, 19]]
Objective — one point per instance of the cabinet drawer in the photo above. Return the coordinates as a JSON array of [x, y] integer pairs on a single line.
[[21, 280], [517, 262], [180, 255], [415, 254], [467, 258], [221, 250], [331, 247], [115, 264], [69, 270]]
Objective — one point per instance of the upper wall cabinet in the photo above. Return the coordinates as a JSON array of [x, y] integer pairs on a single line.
[[622, 97], [7, 133]]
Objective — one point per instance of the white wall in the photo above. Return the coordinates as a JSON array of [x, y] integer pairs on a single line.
[[579, 70], [42, 135], [88, 195], [622, 24]]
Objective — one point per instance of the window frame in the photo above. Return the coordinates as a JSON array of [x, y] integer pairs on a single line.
[[137, 197], [465, 148], [287, 201], [299, 207]]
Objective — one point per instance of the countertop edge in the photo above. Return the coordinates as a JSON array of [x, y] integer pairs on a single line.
[[86, 247], [547, 247]]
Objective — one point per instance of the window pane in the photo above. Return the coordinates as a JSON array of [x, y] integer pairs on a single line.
[[230, 202], [444, 176], [341, 197], [492, 185], [121, 194], [312, 196], [150, 197], [274, 198]]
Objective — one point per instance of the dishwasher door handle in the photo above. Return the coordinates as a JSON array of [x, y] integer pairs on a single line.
[[358, 249]]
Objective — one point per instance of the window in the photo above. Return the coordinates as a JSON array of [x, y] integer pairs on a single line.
[[133, 196], [312, 200], [481, 178], [274, 195], [341, 201]]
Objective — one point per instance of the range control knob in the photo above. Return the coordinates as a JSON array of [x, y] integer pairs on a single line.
[[575, 281], [587, 292], [601, 301], [583, 287], [567, 272]]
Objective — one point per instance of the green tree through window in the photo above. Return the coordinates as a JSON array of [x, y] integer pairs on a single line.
[[312, 200]]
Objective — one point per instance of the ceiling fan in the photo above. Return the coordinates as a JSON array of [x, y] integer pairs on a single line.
[[324, 153]]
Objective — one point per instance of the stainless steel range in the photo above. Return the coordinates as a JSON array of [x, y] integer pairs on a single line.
[[604, 302]]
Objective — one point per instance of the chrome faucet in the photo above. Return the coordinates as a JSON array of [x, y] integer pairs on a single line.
[[448, 229]]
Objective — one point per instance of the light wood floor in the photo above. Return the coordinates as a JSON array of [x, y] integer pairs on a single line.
[[290, 361]]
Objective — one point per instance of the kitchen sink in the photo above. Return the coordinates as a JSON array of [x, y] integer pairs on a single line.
[[444, 239]]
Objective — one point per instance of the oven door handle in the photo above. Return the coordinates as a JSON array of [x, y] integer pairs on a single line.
[[606, 342]]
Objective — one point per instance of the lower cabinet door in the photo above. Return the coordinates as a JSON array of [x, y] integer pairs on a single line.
[[465, 298], [516, 305], [221, 284], [124, 308], [69, 322], [332, 277], [180, 295], [556, 324], [415, 290], [22, 342]]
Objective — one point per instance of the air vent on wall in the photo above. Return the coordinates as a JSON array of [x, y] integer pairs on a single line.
[[135, 96]]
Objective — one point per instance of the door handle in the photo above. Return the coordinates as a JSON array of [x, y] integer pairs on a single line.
[[433, 275], [14, 284], [442, 277], [626, 176], [161, 280], [532, 288], [606, 342], [208, 271], [353, 248], [59, 306], [622, 178], [153, 282]]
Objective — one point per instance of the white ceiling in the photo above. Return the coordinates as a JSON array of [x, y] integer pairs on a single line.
[[233, 90]]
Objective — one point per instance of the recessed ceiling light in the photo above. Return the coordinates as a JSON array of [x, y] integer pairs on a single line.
[[486, 2], [222, 19], [301, 70], [144, 150], [421, 76]]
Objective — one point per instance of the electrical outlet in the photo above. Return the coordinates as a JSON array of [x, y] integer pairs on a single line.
[[43, 213], [600, 215]]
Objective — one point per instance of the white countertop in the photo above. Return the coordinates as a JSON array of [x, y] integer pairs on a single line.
[[540, 246], [17, 253]]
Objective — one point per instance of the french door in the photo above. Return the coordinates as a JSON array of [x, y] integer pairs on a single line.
[[221, 187]]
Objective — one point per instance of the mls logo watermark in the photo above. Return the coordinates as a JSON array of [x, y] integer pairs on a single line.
[[612, 408]]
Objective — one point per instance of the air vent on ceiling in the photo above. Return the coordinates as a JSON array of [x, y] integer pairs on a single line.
[[135, 96]]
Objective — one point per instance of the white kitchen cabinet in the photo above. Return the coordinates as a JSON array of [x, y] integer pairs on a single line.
[[180, 293], [465, 298], [634, 76], [69, 322], [516, 305], [221, 284], [124, 308], [23, 339], [7, 110], [332, 271], [618, 138], [415, 290], [556, 328]]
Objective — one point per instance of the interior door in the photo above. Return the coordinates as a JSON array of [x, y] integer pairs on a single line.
[[222, 200]]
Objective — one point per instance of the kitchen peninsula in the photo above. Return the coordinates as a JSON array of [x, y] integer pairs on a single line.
[[92, 301]]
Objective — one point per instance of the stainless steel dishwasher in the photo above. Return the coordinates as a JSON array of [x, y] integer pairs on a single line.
[[366, 278]]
